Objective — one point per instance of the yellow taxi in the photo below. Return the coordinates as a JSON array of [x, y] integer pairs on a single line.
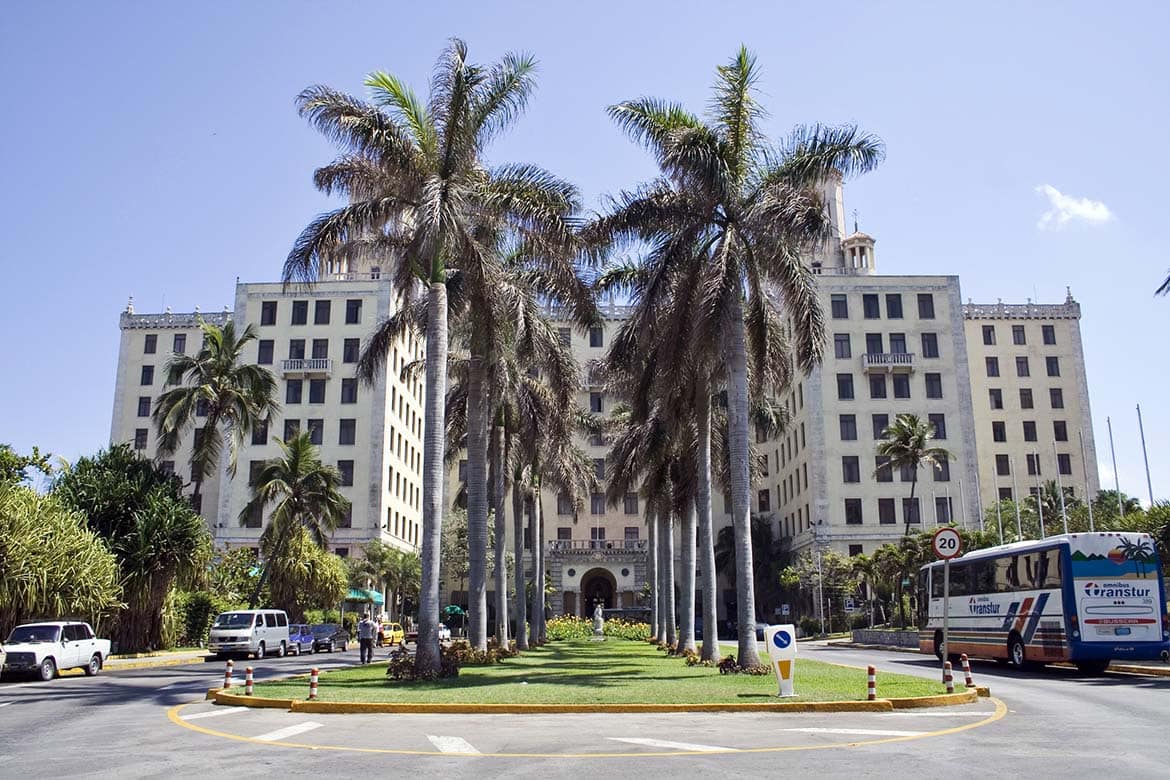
[[390, 634]]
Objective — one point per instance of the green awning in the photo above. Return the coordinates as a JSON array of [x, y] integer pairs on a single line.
[[373, 596]]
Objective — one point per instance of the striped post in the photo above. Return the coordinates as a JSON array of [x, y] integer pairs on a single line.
[[967, 671], [948, 680], [313, 683], [871, 692], [227, 674], [247, 681]]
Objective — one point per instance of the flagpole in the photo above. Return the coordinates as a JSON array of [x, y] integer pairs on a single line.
[[1116, 478], [1145, 457], [1060, 488], [1039, 493], [1085, 469], [1016, 494]]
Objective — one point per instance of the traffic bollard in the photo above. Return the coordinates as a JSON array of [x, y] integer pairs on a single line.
[[967, 671], [248, 681], [313, 683], [227, 675], [947, 678], [871, 693]]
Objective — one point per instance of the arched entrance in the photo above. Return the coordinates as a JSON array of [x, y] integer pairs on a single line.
[[597, 586]]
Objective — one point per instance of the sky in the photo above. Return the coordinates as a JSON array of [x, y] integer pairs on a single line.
[[154, 151]]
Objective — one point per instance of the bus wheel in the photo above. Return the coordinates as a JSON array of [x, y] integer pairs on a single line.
[[938, 645], [1015, 650], [1094, 667]]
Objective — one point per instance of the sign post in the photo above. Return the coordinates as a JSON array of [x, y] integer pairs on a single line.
[[781, 642], [946, 544]]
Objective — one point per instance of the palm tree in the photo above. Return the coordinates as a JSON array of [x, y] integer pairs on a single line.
[[305, 492], [420, 195], [907, 446], [738, 214], [219, 384]]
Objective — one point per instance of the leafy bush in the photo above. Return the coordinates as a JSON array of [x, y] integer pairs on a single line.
[[625, 629], [194, 612], [810, 626], [859, 620], [401, 666], [564, 627]]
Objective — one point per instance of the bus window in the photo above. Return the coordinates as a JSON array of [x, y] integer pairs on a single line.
[[936, 583], [960, 579], [982, 576], [1048, 568]]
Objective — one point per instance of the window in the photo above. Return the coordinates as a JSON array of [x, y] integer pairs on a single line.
[[939, 421], [264, 352], [998, 431], [201, 406], [349, 391], [596, 440], [346, 469], [894, 306], [989, 335], [850, 469], [566, 335], [873, 344], [942, 510], [316, 431], [255, 517], [300, 312], [1064, 463], [929, 345], [1056, 398], [906, 473], [564, 504], [260, 433], [934, 386], [840, 307], [564, 533], [320, 349], [144, 406], [346, 521], [1025, 398], [1002, 466], [292, 391], [349, 350], [856, 549], [910, 510], [463, 470], [596, 337], [877, 386], [1053, 364], [1005, 494], [901, 385], [1060, 430], [147, 375], [880, 423], [942, 471], [925, 306], [1018, 334], [595, 404], [140, 438], [1033, 465], [845, 387], [898, 343], [527, 538], [887, 515], [597, 537], [1049, 333], [853, 511], [882, 471], [871, 307], [150, 346], [347, 431], [296, 349], [841, 346], [632, 534], [1029, 430], [1022, 367], [254, 469], [353, 311], [630, 503], [597, 505], [764, 499], [291, 429], [996, 397], [848, 427], [321, 312], [599, 468], [268, 313], [992, 366], [179, 344]]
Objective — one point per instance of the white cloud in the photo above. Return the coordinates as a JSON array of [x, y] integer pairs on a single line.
[[1066, 209]]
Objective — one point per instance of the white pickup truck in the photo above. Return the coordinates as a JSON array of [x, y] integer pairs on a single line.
[[45, 648]]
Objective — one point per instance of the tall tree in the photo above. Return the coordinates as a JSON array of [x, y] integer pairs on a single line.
[[738, 212], [218, 384], [907, 444]]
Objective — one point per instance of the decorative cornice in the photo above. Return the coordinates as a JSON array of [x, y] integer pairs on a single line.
[[173, 321]]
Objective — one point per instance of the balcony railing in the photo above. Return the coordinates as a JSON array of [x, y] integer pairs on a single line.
[[888, 361], [591, 545], [306, 366]]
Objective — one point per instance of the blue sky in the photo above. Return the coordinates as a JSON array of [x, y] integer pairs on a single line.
[[153, 150]]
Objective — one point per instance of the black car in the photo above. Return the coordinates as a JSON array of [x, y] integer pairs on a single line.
[[329, 636]]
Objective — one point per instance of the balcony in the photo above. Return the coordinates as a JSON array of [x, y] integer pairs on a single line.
[[306, 366], [886, 362], [587, 546]]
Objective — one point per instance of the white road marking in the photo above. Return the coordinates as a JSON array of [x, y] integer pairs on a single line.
[[5, 703], [860, 732], [289, 731], [214, 713], [662, 743], [452, 745]]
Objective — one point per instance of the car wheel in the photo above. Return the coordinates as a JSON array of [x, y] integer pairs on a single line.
[[344, 646], [48, 669], [280, 651], [260, 651], [331, 648], [938, 645], [1015, 650], [94, 665]]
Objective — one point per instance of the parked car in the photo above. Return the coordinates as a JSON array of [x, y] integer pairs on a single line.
[[249, 632], [390, 634], [329, 636], [300, 638], [46, 648]]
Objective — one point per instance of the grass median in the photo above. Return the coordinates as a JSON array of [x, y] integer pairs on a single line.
[[583, 672]]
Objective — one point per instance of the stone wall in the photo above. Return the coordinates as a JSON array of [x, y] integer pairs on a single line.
[[890, 638]]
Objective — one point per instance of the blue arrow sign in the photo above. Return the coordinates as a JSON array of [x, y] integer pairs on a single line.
[[782, 639]]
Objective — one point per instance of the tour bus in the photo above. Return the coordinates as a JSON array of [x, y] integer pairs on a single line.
[[1083, 598]]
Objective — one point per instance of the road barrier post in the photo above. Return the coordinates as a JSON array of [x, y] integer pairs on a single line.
[[947, 678], [871, 692], [248, 681], [227, 675], [967, 671], [313, 683]]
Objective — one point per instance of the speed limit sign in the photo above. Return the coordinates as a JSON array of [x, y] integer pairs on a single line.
[[946, 543]]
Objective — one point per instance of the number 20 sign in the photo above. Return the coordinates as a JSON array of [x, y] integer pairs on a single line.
[[947, 543]]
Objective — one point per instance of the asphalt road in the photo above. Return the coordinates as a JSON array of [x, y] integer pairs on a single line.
[[153, 723]]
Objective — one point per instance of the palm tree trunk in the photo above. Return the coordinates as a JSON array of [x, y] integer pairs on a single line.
[[913, 484], [534, 605], [540, 573], [735, 348], [686, 580], [706, 560], [660, 553], [501, 568], [668, 548], [477, 503], [434, 434], [266, 569], [652, 569], [521, 596]]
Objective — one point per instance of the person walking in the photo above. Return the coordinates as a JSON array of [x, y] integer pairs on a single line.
[[366, 630]]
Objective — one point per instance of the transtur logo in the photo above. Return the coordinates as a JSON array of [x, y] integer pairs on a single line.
[[978, 607], [1115, 590]]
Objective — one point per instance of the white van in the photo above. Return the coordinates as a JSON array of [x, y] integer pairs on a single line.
[[249, 632]]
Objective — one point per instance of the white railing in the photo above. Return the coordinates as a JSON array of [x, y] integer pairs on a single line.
[[887, 359], [307, 366]]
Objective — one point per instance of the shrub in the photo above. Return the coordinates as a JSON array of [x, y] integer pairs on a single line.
[[625, 629], [810, 626], [401, 666], [859, 620], [566, 627]]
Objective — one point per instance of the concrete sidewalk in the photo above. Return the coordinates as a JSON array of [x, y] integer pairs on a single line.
[[147, 661]]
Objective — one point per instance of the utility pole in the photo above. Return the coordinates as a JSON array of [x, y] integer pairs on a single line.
[[1145, 457], [1116, 478]]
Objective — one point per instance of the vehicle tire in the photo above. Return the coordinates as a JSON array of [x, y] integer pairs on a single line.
[[94, 666], [48, 669], [1094, 667], [222, 656], [281, 651], [938, 645], [1016, 655], [260, 651], [344, 646], [331, 647]]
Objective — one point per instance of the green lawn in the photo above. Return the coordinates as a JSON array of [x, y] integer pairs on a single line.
[[583, 672]]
